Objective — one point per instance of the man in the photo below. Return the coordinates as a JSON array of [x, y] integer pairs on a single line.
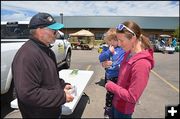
[[40, 91]]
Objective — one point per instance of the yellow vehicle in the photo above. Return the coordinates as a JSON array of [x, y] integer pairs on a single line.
[[103, 45]]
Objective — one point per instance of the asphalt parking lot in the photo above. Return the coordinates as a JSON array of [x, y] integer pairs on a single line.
[[162, 88]]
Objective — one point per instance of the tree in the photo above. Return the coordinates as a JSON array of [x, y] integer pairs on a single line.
[[176, 32]]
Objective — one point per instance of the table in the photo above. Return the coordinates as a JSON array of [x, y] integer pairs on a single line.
[[79, 79]]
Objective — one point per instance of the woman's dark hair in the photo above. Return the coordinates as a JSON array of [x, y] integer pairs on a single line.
[[137, 30]]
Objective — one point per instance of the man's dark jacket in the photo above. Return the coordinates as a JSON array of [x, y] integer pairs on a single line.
[[40, 91]]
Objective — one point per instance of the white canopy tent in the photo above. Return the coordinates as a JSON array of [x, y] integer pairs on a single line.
[[85, 43], [82, 33]]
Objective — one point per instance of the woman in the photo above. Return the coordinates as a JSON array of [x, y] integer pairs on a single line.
[[134, 70]]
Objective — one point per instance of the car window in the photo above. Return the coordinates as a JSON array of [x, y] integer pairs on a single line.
[[14, 31]]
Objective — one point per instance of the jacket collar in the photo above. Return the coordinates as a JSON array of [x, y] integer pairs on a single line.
[[39, 43], [146, 54]]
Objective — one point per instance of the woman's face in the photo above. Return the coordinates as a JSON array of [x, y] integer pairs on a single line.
[[124, 42]]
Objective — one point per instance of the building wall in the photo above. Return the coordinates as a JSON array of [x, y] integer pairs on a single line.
[[145, 22], [98, 32], [100, 24]]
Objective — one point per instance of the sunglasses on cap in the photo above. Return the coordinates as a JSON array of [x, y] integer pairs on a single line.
[[120, 27]]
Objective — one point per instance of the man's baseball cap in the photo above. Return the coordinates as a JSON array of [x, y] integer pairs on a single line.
[[41, 20]]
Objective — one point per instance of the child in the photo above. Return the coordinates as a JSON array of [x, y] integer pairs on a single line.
[[111, 59], [105, 48]]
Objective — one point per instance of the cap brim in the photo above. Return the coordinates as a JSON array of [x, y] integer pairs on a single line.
[[56, 26]]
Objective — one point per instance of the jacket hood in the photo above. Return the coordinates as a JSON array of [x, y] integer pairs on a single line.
[[146, 54]]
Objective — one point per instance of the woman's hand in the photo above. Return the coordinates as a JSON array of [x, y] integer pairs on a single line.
[[108, 85]]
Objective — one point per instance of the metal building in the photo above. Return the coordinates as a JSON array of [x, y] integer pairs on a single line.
[[99, 24]]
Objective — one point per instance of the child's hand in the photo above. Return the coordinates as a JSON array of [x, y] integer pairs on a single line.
[[111, 48], [107, 64]]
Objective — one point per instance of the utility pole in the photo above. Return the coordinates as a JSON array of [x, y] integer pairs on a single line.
[[61, 16]]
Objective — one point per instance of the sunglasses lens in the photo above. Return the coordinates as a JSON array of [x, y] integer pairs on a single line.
[[120, 27]]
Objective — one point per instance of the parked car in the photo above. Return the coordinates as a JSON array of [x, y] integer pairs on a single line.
[[164, 44], [13, 36]]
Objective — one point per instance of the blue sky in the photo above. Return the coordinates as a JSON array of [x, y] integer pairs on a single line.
[[24, 10]]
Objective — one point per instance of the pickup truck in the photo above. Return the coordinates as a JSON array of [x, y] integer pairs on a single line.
[[13, 36]]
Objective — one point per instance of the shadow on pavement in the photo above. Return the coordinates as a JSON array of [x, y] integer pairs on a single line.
[[76, 114], [5, 108], [101, 82], [79, 108]]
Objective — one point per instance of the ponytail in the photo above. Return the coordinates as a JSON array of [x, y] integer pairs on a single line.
[[146, 44]]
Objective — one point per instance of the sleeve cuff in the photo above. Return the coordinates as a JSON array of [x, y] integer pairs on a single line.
[[110, 86]]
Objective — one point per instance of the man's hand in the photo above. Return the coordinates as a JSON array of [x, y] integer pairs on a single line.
[[67, 87], [69, 97]]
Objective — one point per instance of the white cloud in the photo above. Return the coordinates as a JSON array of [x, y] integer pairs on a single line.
[[90, 8], [15, 16]]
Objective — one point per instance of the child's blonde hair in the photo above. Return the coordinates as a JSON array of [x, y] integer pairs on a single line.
[[110, 35]]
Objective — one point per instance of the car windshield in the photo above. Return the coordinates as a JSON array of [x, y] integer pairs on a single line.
[[14, 31]]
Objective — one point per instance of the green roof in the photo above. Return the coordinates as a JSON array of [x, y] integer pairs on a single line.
[[166, 23]]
